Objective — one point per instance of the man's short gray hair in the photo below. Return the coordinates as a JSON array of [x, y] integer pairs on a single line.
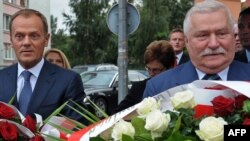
[[206, 6]]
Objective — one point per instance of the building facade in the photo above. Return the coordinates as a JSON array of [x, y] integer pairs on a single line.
[[8, 8], [234, 6]]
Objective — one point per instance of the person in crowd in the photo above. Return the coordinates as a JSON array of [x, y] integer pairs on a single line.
[[176, 39], [244, 35], [209, 38], [238, 46], [158, 57], [56, 56], [36, 85]]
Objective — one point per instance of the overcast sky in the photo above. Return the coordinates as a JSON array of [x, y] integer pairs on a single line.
[[57, 7]]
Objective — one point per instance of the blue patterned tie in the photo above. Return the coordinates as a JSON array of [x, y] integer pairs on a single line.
[[211, 77], [26, 93]]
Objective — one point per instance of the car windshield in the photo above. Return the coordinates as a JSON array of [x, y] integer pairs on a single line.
[[97, 79]]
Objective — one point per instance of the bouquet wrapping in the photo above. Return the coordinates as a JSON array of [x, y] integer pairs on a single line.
[[205, 96]]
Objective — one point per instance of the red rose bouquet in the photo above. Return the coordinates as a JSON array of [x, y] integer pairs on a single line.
[[15, 127], [11, 126]]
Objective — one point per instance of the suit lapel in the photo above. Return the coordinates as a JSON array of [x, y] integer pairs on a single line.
[[236, 72], [184, 58], [43, 85], [187, 74], [11, 84]]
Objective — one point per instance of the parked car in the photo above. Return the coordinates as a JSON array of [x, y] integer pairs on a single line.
[[101, 87], [94, 67]]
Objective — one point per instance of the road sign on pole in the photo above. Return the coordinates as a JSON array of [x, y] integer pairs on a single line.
[[123, 19], [133, 19]]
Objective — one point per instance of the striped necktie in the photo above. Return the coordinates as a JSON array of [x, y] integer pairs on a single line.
[[211, 77]]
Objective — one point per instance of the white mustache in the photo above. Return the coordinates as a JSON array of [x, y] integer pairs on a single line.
[[209, 51]]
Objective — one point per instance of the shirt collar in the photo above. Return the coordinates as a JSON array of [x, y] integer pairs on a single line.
[[34, 70], [222, 74], [248, 55], [179, 56]]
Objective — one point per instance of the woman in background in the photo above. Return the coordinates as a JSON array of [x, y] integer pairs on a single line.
[[56, 56], [158, 57]]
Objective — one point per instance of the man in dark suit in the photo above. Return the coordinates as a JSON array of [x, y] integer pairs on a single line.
[[208, 27], [176, 39], [244, 35], [48, 86], [158, 57]]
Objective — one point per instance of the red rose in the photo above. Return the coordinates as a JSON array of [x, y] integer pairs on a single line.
[[246, 121], [37, 138], [239, 101], [6, 112], [8, 131], [30, 123], [223, 106]]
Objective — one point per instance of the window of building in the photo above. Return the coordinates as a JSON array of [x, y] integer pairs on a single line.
[[23, 3], [11, 1], [6, 21], [8, 51]]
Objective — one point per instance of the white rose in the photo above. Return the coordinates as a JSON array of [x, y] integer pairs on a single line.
[[184, 99], [211, 129], [122, 127], [157, 122], [147, 105]]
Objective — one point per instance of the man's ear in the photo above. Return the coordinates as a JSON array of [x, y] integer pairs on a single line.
[[47, 37]]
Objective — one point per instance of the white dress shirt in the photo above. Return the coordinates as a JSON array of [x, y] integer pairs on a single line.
[[222, 74], [33, 78], [178, 56]]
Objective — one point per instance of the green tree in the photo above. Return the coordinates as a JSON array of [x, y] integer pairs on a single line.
[[91, 39], [153, 26], [158, 18], [178, 11], [59, 39]]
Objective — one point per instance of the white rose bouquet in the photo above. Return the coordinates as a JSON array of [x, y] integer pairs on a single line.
[[199, 113]]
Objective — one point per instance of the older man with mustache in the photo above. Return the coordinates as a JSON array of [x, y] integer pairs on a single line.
[[209, 37]]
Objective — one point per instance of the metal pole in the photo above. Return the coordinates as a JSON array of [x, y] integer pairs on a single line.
[[122, 60]]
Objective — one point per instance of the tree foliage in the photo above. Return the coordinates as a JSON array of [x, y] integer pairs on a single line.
[[91, 42], [89, 30], [158, 18], [59, 39]]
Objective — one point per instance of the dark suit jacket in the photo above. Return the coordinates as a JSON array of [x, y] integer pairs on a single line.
[[184, 58], [134, 96], [186, 73], [241, 56], [54, 86]]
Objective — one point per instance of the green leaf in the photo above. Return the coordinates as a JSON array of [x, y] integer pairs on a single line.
[[246, 107], [78, 124], [96, 139], [53, 138], [82, 114], [12, 99], [138, 124], [126, 138], [56, 112], [94, 117], [176, 136], [143, 137], [61, 128], [177, 124], [97, 108]]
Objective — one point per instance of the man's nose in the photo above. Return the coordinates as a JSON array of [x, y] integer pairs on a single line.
[[26, 40], [213, 41]]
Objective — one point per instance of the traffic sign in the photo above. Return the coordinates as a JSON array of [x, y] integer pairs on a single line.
[[133, 18]]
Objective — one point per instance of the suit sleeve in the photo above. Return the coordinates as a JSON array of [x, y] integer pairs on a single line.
[[149, 89], [75, 92]]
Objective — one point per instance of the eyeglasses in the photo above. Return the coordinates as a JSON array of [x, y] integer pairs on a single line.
[[154, 70]]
